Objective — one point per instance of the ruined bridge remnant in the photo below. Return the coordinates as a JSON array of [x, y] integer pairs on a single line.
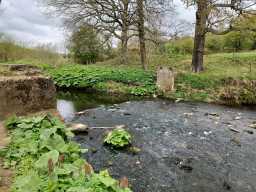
[[25, 90]]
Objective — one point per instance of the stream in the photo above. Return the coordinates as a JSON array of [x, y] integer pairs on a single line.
[[185, 147]]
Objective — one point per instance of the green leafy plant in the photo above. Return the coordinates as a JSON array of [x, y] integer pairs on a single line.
[[140, 83], [45, 159], [119, 137]]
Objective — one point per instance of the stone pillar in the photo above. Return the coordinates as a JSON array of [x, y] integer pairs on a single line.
[[165, 79]]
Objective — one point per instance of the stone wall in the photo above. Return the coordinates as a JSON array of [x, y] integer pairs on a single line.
[[23, 94]]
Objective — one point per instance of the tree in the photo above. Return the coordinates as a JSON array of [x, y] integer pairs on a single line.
[[121, 18], [84, 45], [112, 16], [141, 30], [149, 12], [215, 16]]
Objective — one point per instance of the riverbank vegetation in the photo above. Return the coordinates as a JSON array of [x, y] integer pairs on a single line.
[[44, 158], [215, 84]]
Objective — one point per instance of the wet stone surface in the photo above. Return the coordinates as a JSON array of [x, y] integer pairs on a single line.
[[184, 147]]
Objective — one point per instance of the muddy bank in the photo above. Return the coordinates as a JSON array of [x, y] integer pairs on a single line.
[[185, 147]]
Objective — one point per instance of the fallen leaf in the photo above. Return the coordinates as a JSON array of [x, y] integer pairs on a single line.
[[124, 183], [88, 169]]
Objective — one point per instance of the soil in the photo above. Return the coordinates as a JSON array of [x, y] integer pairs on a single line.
[[5, 174]]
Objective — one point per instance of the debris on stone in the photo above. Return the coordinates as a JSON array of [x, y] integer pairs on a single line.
[[134, 150], [234, 130], [110, 163], [188, 114], [120, 126], [127, 114], [236, 140], [249, 132], [179, 100], [137, 163], [206, 133], [88, 169], [185, 165], [78, 128], [237, 118], [212, 114], [253, 125], [81, 113], [94, 150], [124, 183]]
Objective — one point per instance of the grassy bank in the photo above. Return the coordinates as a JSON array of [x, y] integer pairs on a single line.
[[228, 77], [44, 159]]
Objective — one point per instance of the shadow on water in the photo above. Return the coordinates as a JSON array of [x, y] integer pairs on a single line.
[[185, 147]]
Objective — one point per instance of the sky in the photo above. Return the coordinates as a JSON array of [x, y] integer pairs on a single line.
[[24, 21]]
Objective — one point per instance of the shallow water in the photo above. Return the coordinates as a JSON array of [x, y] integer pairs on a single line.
[[185, 147]]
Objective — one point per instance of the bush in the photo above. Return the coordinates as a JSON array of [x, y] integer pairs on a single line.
[[214, 43], [181, 46], [87, 45]]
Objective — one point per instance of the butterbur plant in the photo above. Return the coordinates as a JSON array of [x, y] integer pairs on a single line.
[[118, 138], [44, 159]]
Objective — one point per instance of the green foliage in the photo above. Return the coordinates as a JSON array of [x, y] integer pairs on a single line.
[[78, 76], [180, 46], [215, 43], [197, 81], [118, 138], [46, 160], [87, 45]]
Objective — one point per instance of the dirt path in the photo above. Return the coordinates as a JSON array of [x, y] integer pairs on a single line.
[[5, 175]]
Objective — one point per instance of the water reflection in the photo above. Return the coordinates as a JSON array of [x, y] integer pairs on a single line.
[[66, 109], [70, 102]]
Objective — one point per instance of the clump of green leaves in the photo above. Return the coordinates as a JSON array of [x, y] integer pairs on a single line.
[[44, 159], [119, 138], [140, 83]]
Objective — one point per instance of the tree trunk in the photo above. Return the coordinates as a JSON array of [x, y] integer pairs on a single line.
[[200, 34], [124, 46], [141, 29], [124, 34]]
